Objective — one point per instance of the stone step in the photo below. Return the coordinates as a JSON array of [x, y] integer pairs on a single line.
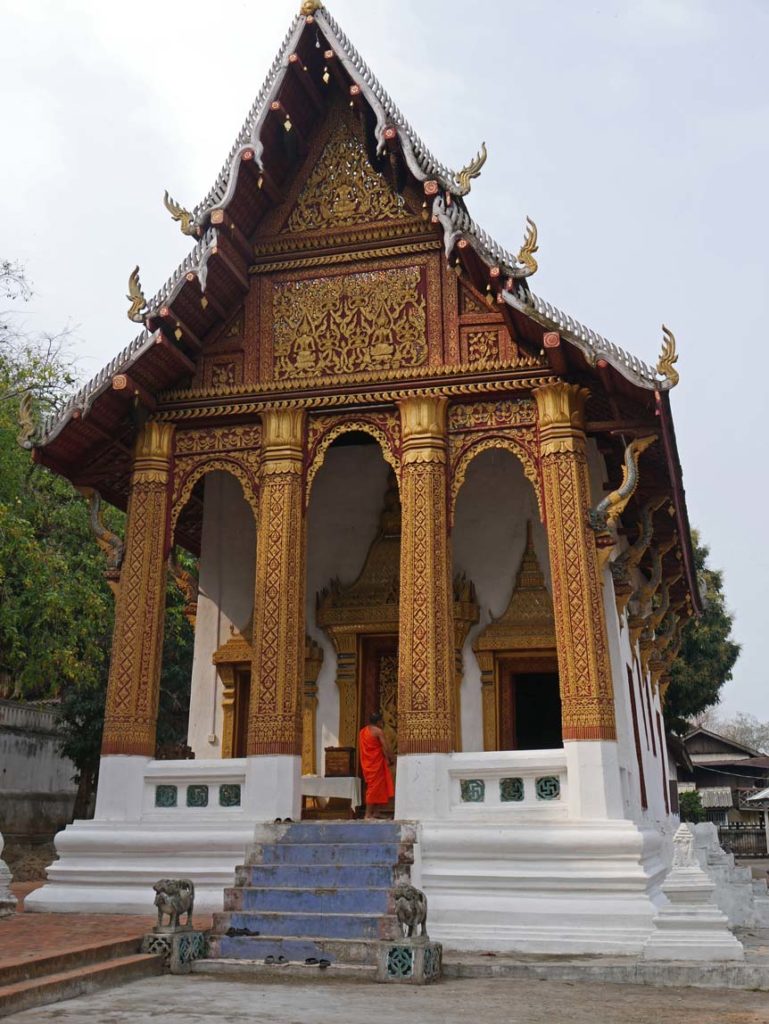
[[338, 876], [56, 963], [295, 969], [316, 900], [52, 988], [316, 926], [295, 948], [330, 853], [348, 832]]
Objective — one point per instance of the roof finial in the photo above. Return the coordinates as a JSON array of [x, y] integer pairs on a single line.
[[472, 170], [26, 419], [668, 356], [309, 7], [178, 213], [529, 247], [138, 308]]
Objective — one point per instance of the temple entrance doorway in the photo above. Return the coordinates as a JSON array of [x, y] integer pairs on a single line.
[[379, 683], [529, 712]]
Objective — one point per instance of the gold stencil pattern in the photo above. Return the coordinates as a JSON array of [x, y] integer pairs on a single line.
[[344, 324], [343, 188]]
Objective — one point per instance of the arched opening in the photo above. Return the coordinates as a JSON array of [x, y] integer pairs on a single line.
[[216, 523], [509, 696], [353, 564]]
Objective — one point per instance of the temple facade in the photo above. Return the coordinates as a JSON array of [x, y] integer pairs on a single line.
[[411, 485]]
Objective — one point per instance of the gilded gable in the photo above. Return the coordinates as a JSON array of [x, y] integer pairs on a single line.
[[343, 188]]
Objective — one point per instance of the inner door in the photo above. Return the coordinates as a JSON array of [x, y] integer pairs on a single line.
[[242, 701], [529, 707], [379, 683]]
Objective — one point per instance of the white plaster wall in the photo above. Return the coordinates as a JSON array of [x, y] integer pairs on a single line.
[[493, 506], [343, 518], [654, 759], [225, 599]]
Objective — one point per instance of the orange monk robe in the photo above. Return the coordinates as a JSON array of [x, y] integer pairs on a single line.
[[376, 770]]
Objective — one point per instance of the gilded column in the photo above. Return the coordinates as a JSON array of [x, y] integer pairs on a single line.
[[130, 717], [426, 714], [277, 669], [587, 695]]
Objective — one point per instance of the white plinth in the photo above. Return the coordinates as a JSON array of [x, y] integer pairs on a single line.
[[7, 899], [273, 787]]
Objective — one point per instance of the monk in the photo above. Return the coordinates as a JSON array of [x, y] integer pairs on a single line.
[[375, 760]]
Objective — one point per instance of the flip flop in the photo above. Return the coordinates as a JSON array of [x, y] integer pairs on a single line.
[[323, 964], [269, 959], [281, 962], [312, 961]]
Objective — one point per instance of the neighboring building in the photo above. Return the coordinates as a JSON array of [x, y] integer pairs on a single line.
[[412, 485], [725, 773]]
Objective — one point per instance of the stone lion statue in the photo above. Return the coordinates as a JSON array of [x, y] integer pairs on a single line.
[[174, 897], [411, 910]]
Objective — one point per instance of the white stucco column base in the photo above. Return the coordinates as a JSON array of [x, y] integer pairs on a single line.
[[507, 866], [273, 787], [121, 787], [595, 789]]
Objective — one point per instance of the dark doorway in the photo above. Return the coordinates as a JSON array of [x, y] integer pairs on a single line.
[[530, 709], [379, 677]]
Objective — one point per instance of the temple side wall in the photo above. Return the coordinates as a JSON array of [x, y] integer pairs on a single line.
[[343, 518], [493, 506], [227, 562]]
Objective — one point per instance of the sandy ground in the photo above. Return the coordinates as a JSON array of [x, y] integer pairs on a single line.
[[201, 1000]]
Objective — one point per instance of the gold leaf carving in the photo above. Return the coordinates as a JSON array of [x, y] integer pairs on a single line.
[[346, 324], [343, 188]]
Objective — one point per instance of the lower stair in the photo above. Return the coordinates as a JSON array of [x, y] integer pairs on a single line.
[[317, 891], [49, 979]]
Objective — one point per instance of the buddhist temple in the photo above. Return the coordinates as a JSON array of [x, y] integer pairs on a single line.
[[412, 485]]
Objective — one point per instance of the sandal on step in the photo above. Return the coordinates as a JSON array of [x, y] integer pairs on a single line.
[[281, 961], [323, 964], [269, 959], [312, 961]]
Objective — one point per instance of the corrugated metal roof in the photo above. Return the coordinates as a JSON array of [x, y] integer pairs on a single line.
[[716, 796]]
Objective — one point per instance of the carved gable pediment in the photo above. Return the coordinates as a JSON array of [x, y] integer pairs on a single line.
[[343, 189]]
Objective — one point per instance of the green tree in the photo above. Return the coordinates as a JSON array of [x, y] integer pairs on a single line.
[[690, 806], [56, 609], [708, 652]]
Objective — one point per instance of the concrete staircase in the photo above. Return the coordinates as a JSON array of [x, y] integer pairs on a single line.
[[49, 979], [315, 889]]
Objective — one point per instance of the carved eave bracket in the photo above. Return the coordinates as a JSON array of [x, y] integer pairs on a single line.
[[623, 566], [604, 517], [109, 542]]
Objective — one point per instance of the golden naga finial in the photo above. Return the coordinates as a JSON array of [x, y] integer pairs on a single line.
[[26, 421], [529, 247], [668, 357], [309, 7], [138, 308], [178, 213], [472, 170]]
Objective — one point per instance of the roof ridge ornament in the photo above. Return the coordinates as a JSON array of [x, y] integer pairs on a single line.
[[309, 7], [26, 420], [184, 217], [137, 311], [529, 247], [471, 171], [668, 356]]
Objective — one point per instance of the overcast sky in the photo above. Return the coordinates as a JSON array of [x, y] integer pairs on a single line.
[[636, 135]]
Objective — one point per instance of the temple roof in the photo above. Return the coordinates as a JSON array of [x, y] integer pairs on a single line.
[[444, 187]]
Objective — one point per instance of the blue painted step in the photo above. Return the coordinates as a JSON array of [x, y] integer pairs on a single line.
[[320, 926], [343, 832], [318, 900], [326, 853], [294, 876]]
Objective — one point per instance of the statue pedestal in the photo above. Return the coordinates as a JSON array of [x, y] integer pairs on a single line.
[[409, 961], [179, 947]]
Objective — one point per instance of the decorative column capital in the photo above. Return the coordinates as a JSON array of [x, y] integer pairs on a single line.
[[561, 413], [152, 453], [283, 440], [423, 426]]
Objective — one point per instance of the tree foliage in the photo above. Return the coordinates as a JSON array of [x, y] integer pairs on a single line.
[[56, 609], [690, 806], [708, 652]]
